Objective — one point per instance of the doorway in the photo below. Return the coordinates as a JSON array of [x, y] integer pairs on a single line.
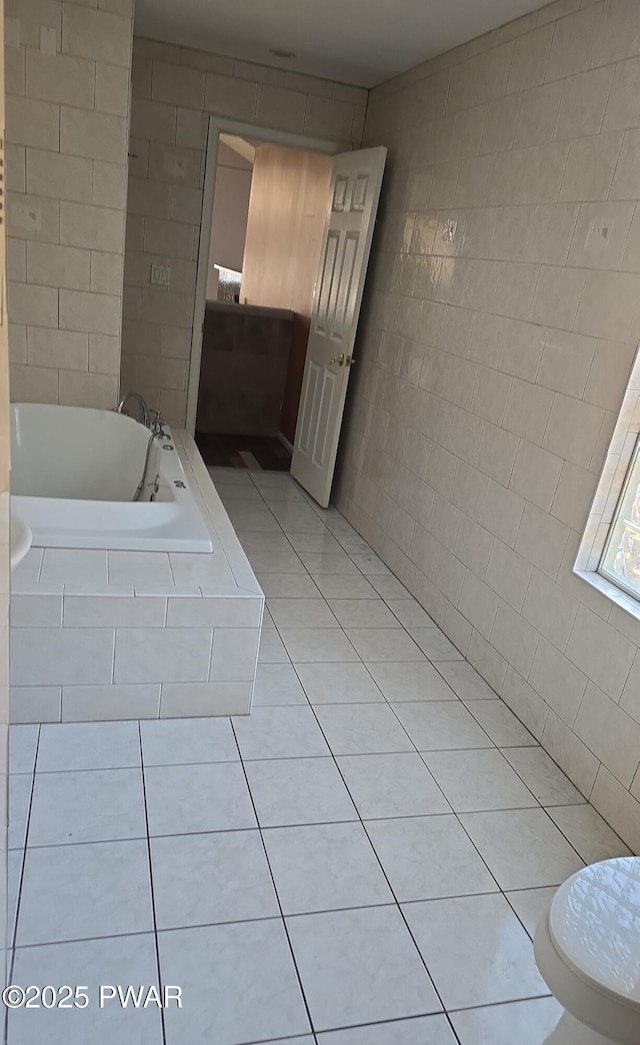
[[265, 202]]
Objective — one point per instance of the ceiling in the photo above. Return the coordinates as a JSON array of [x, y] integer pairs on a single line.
[[354, 41]]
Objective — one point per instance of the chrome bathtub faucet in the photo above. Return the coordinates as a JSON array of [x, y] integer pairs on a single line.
[[155, 424], [144, 409]]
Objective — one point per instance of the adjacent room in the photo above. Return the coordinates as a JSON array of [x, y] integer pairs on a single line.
[[269, 207], [320, 522]]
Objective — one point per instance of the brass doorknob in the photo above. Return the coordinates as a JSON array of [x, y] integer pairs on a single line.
[[338, 359]]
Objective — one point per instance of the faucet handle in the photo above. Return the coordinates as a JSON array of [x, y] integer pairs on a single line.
[[157, 424]]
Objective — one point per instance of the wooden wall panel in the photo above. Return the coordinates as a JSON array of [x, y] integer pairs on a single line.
[[287, 208]]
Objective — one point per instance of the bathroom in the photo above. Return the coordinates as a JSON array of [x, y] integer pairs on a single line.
[[447, 655]]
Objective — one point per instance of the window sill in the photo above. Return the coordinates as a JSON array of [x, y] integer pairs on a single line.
[[611, 592]]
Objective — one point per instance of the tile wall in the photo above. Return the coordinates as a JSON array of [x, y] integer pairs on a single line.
[[68, 65], [174, 90], [122, 654], [497, 336]]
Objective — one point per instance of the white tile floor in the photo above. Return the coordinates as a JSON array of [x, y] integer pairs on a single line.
[[362, 861]]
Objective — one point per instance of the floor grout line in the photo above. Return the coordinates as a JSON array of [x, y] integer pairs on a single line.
[[499, 890], [494, 747], [153, 897], [283, 508], [11, 943], [383, 871], [277, 895], [386, 877], [25, 847]]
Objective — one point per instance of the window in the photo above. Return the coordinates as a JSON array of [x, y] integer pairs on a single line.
[[620, 560], [229, 283], [608, 556]]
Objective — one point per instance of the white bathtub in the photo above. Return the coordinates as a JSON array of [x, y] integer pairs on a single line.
[[74, 472]]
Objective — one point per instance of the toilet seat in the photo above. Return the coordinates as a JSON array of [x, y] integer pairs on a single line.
[[588, 948]]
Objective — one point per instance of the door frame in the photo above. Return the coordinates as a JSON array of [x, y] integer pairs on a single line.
[[217, 126]]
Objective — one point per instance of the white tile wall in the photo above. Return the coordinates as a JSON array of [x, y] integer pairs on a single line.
[[67, 134], [115, 654], [43, 656], [174, 90], [90, 703], [36, 704], [195, 699], [491, 369], [156, 655]]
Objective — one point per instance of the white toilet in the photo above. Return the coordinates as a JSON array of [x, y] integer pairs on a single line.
[[587, 948]]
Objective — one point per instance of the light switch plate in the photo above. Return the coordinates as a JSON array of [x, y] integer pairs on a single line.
[[159, 276]]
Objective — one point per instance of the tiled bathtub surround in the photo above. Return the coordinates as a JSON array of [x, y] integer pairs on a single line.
[[174, 91], [68, 70], [115, 635], [499, 329]]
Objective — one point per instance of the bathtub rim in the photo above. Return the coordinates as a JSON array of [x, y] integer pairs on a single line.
[[176, 522], [225, 540]]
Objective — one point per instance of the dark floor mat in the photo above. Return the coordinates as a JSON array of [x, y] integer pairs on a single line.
[[243, 451]]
